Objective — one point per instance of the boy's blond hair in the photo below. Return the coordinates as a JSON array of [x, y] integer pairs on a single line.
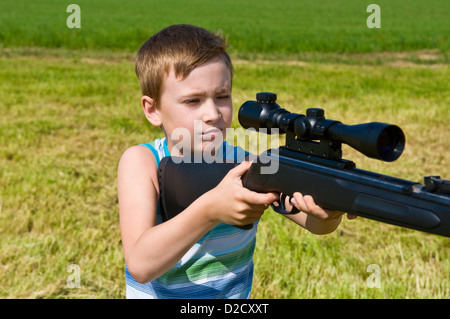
[[180, 48]]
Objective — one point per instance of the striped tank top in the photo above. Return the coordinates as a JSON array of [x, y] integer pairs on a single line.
[[219, 265]]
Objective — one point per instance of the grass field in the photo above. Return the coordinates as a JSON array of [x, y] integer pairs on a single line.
[[69, 105], [254, 26]]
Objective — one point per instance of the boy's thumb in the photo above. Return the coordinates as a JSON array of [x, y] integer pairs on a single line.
[[240, 169]]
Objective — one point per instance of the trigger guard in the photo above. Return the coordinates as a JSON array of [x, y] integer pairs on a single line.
[[281, 209]]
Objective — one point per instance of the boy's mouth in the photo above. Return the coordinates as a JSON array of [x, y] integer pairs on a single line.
[[211, 134]]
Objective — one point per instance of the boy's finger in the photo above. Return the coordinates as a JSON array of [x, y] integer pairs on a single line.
[[299, 202], [260, 198], [309, 201]]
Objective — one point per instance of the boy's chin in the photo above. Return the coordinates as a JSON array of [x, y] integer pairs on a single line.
[[197, 148]]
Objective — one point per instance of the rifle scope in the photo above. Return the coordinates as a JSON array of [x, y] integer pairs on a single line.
[[376, 140]]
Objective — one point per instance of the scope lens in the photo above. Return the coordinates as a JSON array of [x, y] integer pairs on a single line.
[[390, 143]]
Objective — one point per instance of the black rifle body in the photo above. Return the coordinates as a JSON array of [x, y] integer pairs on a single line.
[[333, 185], [317, 169]]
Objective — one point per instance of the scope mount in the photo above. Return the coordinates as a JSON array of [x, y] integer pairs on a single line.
[[323, 152], [325, 148]]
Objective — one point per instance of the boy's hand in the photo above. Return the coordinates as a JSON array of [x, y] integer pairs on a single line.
[[306, 204], [234, 204], [313, 217]]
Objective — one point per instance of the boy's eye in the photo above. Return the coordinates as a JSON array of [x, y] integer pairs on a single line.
[[223, 97], [192, 101]]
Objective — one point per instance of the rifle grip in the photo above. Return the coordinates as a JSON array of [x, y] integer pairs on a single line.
[[262, 183]]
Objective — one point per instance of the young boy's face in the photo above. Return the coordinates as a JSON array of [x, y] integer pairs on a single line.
[[199, 104]]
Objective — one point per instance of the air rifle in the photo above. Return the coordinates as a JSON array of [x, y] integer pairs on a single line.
[[311, 163]]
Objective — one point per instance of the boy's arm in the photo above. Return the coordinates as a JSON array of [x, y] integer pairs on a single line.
[[149, 249]]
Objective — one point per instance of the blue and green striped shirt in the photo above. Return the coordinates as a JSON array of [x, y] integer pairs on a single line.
[[219, 265]]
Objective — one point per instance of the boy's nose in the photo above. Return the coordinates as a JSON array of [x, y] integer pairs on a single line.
[[211, 112]]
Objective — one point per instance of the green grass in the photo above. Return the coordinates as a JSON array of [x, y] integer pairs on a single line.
[[69, 105], [67, 117], [254, 26]]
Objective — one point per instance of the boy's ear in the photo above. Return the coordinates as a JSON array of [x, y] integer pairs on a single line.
[[150, 111]]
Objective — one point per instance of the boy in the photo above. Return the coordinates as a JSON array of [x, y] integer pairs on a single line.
[[185, 76]]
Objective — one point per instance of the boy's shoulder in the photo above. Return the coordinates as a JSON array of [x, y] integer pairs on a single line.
[[138, 158]]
